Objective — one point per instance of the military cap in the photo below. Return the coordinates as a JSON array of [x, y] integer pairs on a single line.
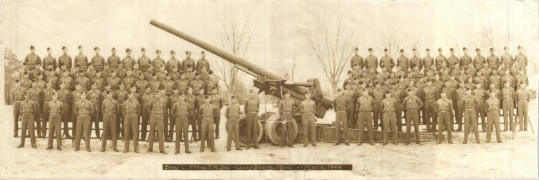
[[370, 49], [203, 52], [491, 49], [414, 49], [32, 47], [439, 49], [63, 47], [142, 49], [428, 49], [464, 48], [402, 50], [196, 74], [385, 49], [505, 47], [519, 47], [48, 48], [451, 49], [172, 52], [175, 87], [128, 50], [189, 52], [80, 46], [157, 51], [114, 49], [96, 48], [356, 49], [477, 49]]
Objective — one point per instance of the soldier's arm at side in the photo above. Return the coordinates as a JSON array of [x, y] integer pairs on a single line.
[[419, 103], [226, 112]]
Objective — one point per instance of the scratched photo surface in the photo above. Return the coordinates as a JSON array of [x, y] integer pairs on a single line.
[[296, 40]]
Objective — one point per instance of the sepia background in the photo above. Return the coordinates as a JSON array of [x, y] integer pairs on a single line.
[[284, 37]]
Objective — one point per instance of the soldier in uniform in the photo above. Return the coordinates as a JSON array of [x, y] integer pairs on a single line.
[[113, 60], [202, 62], [452, 60], [54, 107], [521, 59], [428, 61], [158, 62], [206, 113], [508, 106], [479, 60], [141, 84], [440, 59], [412, 104], [47, 97], [200, 100], [480, 94], [506, 59], [49, 60], [523, 98], [157, 109], [81, 60], [65, 59], [197, 84], [443, 108], [387, 61], [403, 62], [340, 106], [146, 100], [493, 109], [27, 108], [493, 60], [469, 103], [191, 99], [465, 60], [430, 106], [365, 108], [32, 59], [397, 95], [308, 108], [168, 84], [144, 61], [371, 61], [95, 97], [83, 110], [65, 97], [36, 95], [217, 101], [357, 59], [129, 81], [174, 98], [173, 62], [121, 96], [181, 110], [232, 115], [114, 81], [390, 119], [131, 113], [378, 94], [251, 109], [188, 62], [128, 61], [98, 61], [83, 81], [287, 106], [110, 109], [415, 60]]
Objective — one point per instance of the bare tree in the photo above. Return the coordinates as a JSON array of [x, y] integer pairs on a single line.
[[333, 49], [234, 36], [394, 42]]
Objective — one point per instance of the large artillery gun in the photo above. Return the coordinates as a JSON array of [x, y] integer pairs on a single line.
[[270, 122]]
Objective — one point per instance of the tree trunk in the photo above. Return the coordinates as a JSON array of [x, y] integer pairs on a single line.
[[333, 87]]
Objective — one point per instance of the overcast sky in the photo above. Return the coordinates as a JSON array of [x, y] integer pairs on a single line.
[[278, 26]]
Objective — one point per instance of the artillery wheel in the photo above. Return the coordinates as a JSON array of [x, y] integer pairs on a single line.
[[243, 130], [274, 128]]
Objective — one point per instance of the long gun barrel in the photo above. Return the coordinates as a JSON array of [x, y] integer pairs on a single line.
[[325, 101]]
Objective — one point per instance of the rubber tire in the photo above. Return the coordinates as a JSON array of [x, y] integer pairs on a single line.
[[243, 130], [273, 129]]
